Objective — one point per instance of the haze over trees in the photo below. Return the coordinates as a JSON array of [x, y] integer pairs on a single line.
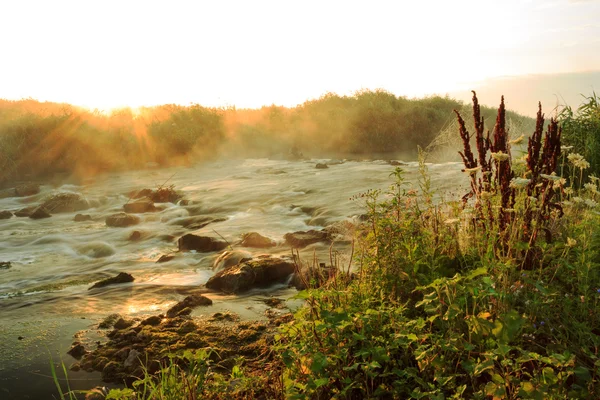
[[39, 139]]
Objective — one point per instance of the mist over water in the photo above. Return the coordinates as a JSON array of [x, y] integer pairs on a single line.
[[44, 297]]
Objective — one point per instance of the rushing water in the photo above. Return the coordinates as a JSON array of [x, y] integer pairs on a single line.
[[44, 297]]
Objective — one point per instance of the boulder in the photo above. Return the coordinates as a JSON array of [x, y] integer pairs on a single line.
[[65, 202], [302, 239], [259, 272], [39, 213], [135, 235], [254, 239], [82, 217], [140, 206], [160, 195], [122, 220], [25, 212], [26, 189], [202, 244], [321, 166], [230, 258], [5, 214], [185, 306], [5, 264], [165, 258], [123, 277], [77, 351]]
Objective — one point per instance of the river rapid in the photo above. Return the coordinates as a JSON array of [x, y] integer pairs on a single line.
[[44, 298]]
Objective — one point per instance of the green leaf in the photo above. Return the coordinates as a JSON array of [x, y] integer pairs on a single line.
[[321, 382], [483, 366]]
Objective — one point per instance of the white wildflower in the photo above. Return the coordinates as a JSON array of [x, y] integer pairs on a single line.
[[517, 140], [519, 183], [553, 178], [568, 191], [591, 187], [500, 156], [486, 195], [578, 161], [591, 203], [571, 242], [471, 171]]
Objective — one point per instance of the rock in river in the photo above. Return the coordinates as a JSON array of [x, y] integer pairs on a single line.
[[65, 202], [254, 239], [121, 220], [39, 213], [185, 306], [303, 239], [143, 205], [202, 244], [259, 272], [82, 217], [123, 277], [5, 214]]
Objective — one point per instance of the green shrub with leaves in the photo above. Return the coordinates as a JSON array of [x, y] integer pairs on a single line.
[[494, 296]]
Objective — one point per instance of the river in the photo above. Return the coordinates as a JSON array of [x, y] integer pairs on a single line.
[[44, 298]]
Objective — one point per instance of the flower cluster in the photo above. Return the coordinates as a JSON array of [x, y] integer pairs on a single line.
[[578, 161]]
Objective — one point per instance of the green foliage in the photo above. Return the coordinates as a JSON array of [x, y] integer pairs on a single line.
[[40, 139], [440, 308], [581, 130]]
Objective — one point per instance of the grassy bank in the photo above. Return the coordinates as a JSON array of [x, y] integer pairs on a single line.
[[38, 140], [490, 296]]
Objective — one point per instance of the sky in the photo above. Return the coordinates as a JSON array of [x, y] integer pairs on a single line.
[[107, 54]]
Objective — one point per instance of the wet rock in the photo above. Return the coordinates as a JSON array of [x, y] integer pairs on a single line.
[[160, 195], [259, 272], [123, 323], [274, 302], [82, 217], [122, 220], [27, 189], [143, 205], [5, 265], [165, 258], [190, 302], [396, 163], [226, 316], [135, 235], [77, 351], [123, 277], [187, 327], [202, 244], [40, 213], [321, 166], [254, 239], [75, 367], [111, 371], [229, 258], [5, 214], [302, 239], [99, 363], [109, 321], [152, 321], [25, 212], [133, 359], [66, 202]]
